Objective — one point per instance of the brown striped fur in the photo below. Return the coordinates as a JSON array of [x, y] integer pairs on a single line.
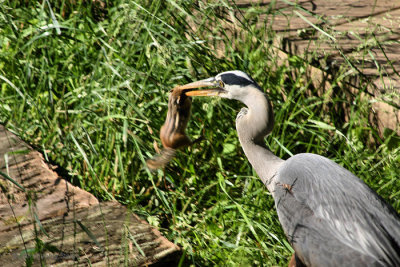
[[172, 133]]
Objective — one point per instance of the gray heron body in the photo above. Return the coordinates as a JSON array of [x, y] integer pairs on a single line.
[[329, 215]]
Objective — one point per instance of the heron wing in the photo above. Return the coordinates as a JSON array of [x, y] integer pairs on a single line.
[[331, 217]]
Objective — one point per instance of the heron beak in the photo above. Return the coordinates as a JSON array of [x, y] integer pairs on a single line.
[[211, 82]]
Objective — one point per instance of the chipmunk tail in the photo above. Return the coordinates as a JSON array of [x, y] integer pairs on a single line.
[[159, 161]]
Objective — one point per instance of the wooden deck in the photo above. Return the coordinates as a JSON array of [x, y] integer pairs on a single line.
[[359, 38]]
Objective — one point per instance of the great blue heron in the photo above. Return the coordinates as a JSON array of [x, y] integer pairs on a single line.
[[329, 215]]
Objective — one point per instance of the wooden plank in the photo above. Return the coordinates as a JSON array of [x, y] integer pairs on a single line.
[[76, 229]]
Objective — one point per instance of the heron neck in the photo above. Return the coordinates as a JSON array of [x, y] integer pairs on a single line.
[[252, 128]]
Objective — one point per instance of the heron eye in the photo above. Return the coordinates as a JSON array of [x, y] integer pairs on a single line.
[[221, 84]]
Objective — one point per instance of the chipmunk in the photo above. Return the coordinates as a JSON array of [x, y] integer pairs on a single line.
[[172, 133]]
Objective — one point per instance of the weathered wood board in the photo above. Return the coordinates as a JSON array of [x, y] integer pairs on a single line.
[[71, 224]]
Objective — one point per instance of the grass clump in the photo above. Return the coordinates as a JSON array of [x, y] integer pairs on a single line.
[[90, 91]]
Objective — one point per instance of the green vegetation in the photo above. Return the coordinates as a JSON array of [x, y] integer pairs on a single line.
[[89, 86]]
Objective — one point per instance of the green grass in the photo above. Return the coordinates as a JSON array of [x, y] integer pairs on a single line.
[[91, 94]]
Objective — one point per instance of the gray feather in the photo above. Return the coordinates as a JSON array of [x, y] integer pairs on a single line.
[[330, 207]]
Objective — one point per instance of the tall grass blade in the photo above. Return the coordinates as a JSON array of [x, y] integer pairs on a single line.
[[90, 234], [12, 181]]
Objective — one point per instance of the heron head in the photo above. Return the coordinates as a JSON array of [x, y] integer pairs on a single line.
[[230, 84], [238, 85]]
